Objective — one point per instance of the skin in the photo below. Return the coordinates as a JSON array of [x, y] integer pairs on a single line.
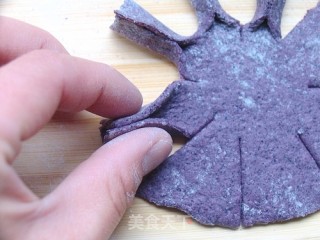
[[39, 76]]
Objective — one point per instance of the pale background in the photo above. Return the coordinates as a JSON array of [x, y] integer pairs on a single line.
[[83, 27]]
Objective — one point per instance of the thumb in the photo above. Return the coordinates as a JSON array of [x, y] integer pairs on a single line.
[[92, 200]]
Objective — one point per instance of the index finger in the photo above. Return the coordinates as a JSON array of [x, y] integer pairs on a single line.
[[37, 84]]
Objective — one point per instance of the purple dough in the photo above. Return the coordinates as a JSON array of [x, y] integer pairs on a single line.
[[249, 103]]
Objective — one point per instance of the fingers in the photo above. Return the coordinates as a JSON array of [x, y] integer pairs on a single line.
[[18, 38], [35, 85], [16, 202], [95, 196]]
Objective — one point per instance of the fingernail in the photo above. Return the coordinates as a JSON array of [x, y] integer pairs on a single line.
[[158, 152]]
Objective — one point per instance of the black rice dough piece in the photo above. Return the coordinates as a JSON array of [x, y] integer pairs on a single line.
[[249, 103]]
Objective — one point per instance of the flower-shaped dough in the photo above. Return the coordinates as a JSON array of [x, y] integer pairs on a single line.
[[249, 103]]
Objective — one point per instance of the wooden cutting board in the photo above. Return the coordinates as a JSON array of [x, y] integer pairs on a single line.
[[82, 26]]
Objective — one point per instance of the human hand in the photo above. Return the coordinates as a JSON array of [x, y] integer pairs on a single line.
[[34, 85]]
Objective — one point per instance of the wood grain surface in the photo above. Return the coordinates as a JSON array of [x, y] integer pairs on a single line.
[[83, 27]]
